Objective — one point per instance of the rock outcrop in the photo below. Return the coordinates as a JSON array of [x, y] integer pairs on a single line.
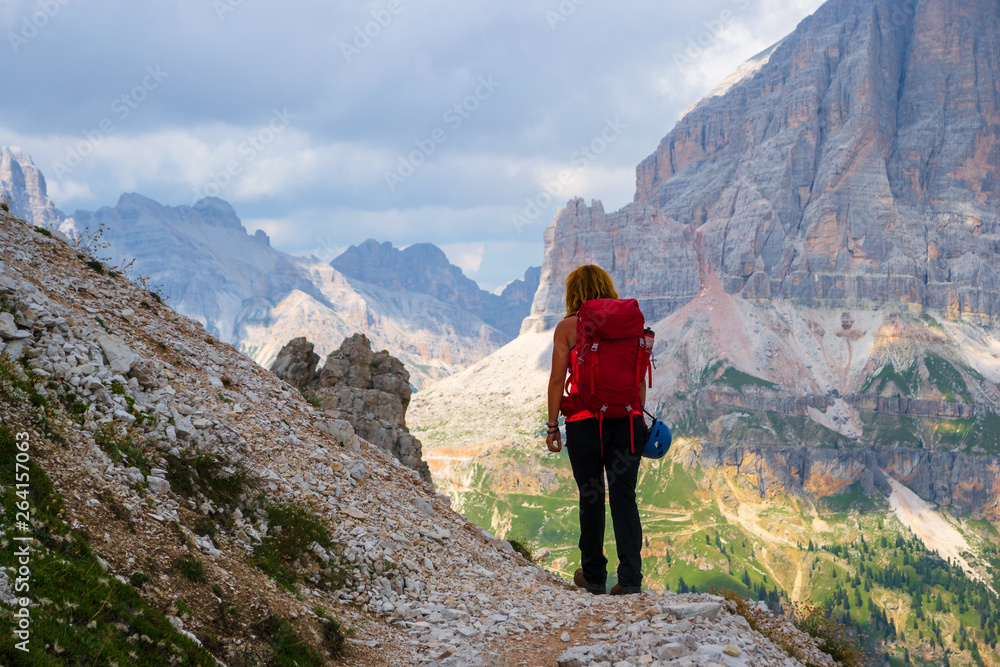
[[369, 390], [855, 163]]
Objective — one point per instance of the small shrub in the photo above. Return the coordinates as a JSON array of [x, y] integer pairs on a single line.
[[837, 640], [522, 547], [95, 265], [43, 231], [183, 608], [192, 568], [206, 526], [227, 382], [121, 448], [221, 481], [139, 579], [290, 650], [5, 202], [333, 634], [292, 529], [103, 325]]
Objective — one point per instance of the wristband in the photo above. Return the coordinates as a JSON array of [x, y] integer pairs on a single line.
[[552, 424]]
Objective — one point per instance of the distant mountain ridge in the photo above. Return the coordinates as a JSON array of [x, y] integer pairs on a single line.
[[258, 298], [424, 268]]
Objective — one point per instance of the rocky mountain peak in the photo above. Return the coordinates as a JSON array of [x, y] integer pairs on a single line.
[[424, 268], [24, 185], [852, 165]]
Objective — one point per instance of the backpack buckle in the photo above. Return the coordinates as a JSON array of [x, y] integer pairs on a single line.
[[593, 348]]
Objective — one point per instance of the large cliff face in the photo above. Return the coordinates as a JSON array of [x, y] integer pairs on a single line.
[[24, 185], [855, 164]]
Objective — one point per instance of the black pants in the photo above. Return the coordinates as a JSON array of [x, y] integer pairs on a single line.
[[583, 442]]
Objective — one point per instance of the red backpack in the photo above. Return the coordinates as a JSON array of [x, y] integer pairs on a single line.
[[610, 361]]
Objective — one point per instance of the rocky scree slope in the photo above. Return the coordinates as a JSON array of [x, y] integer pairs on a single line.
[[131, 400], [369, 390]]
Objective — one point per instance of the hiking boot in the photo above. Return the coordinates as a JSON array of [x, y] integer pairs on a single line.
[[581, 581], [618, 589]]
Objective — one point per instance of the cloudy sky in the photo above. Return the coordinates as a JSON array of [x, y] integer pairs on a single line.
[[326, 123]]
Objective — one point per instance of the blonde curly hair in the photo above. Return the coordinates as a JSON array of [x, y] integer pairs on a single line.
[[585, 283]]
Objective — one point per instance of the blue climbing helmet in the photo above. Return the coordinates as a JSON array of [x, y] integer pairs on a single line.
[[659, 439]]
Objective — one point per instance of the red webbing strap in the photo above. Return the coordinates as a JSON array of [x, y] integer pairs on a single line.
[[572, 385]]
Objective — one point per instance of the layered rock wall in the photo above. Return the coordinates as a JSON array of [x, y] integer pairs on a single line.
[[855, 164], [967, 484]]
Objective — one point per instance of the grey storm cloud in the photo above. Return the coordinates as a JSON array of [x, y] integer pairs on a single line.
[[392, 133]]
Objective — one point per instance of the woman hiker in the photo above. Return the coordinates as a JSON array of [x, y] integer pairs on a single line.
[[598, 444]]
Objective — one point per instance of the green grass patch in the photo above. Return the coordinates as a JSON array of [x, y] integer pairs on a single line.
[[888, 430], [43, 231], [853, 499], [710, 372], [983, 526], [984, 435], [290, 649], [192, 568], [947, 379], [907, 381], [931, 322], [738, 380], [292, 529], [122, 448], [83, 615]]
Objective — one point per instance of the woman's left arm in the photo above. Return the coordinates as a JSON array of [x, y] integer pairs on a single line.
[[557, 377]]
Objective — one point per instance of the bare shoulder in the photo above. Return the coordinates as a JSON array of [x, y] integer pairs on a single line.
[[565, 331]]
